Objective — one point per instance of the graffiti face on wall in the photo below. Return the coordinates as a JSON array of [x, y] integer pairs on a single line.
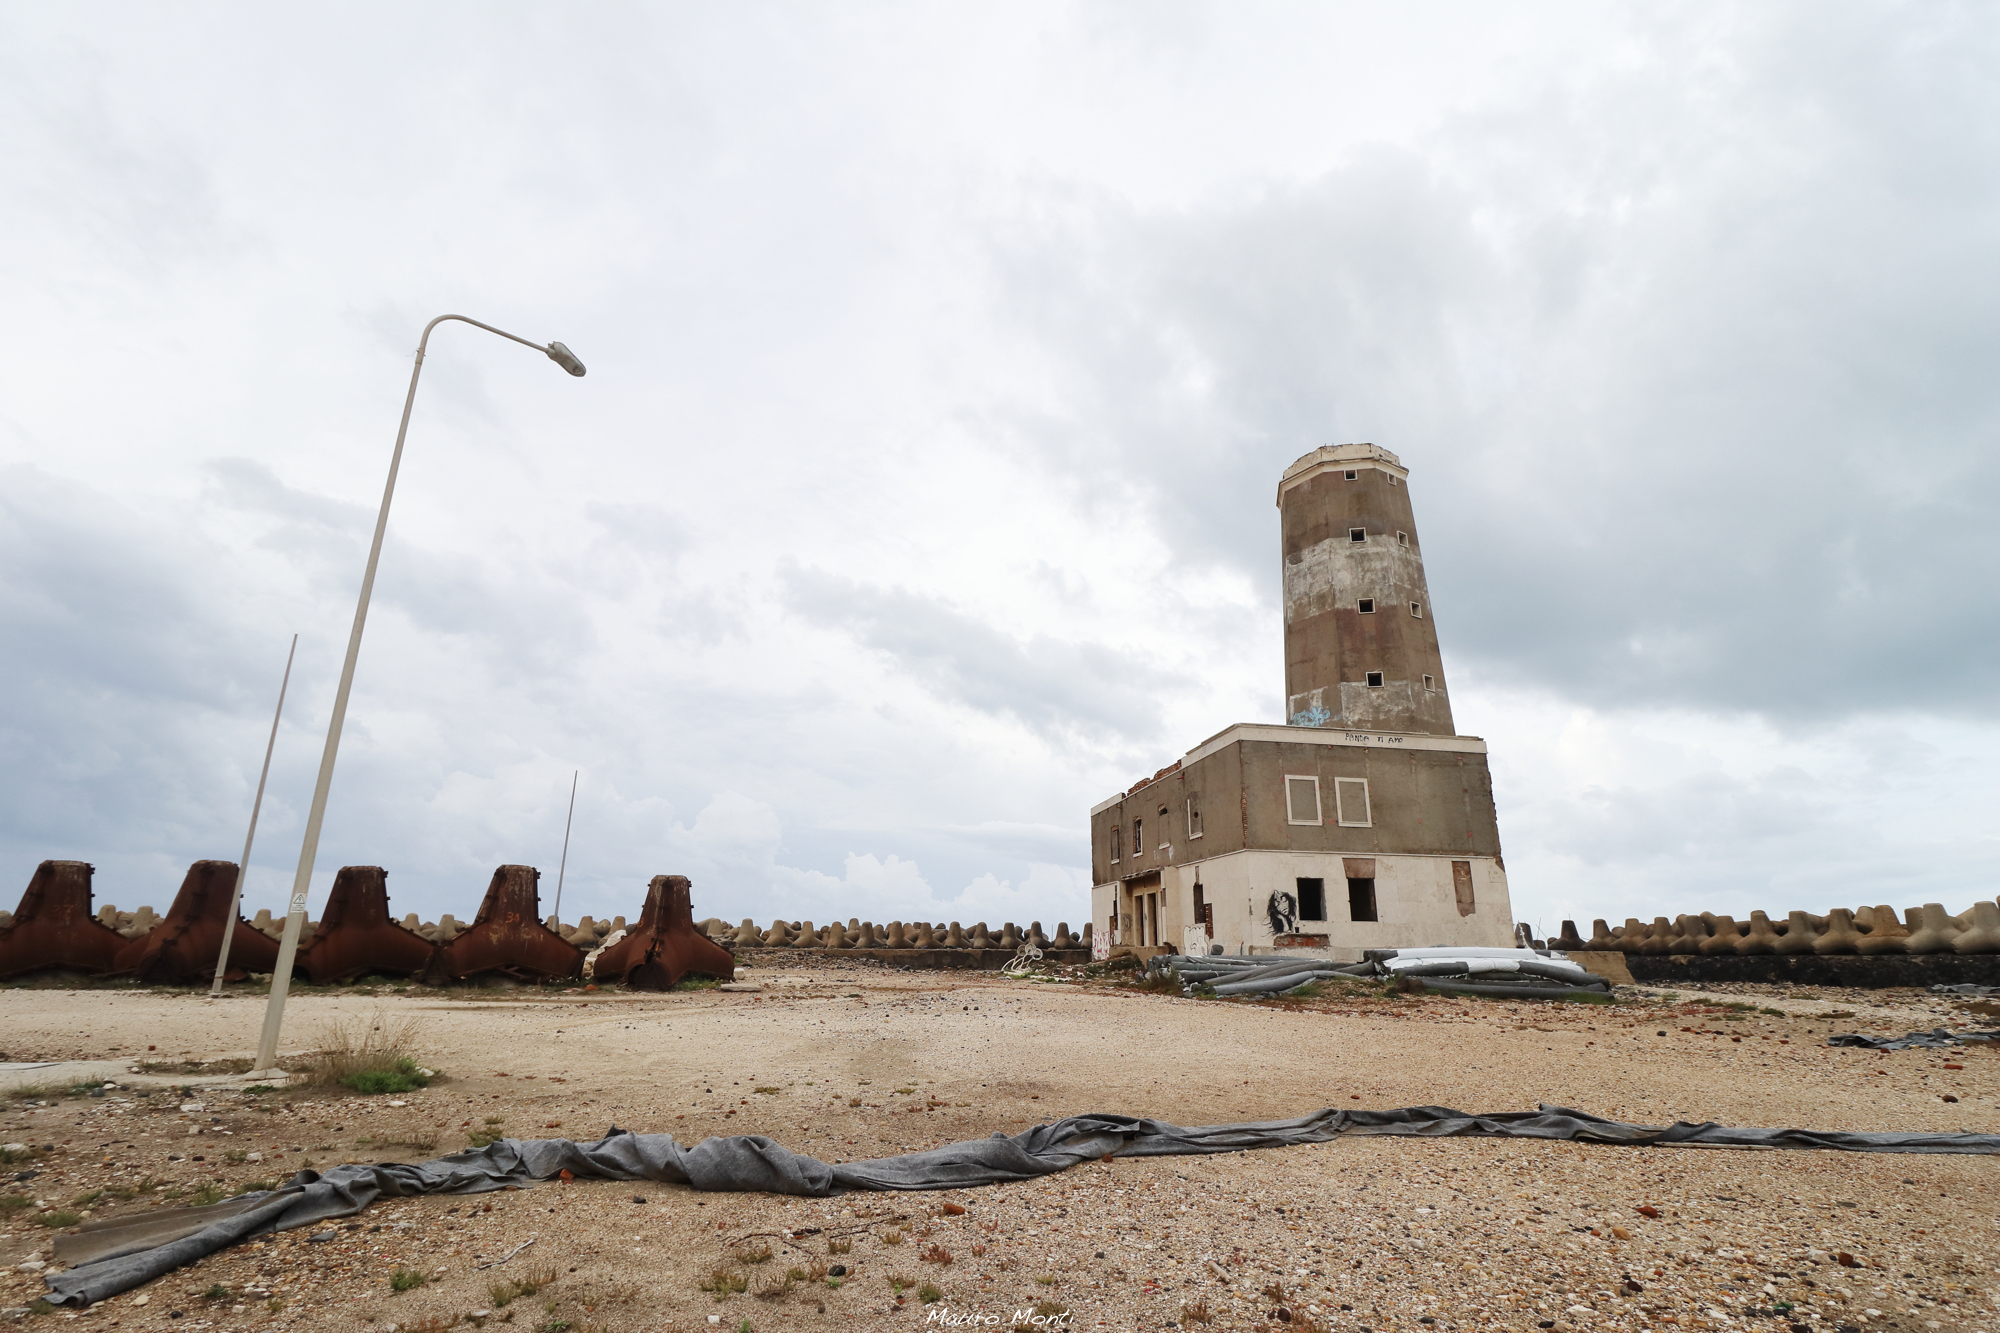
[[1284, 913]]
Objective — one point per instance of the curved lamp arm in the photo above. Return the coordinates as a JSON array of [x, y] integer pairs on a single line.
[[281, 977]]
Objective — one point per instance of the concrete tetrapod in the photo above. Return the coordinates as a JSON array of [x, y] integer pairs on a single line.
[[1840, 935], [508, 939], [182, 949], [1689, 934], [1658, 937], [1886, 934], [1799, 937], [1725, 939], [53, 927], [357, 937], [665, 946], [1762, 937], [1983, 935], [1935, 932]]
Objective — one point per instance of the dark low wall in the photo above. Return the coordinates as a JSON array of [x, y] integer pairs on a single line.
[[938, 960], [1926, 969]]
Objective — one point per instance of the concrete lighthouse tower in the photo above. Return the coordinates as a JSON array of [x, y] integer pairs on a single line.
[[1364, 821], [1361, 648]]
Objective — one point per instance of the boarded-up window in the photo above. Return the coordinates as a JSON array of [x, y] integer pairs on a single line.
[[1351, 801], [1461, 886], [1302, 800]]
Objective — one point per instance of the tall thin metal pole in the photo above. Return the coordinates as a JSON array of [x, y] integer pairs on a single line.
[[561, 869], [288, 946], [243, 866]]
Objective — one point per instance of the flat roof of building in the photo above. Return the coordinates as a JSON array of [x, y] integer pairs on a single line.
[[1280, 734]]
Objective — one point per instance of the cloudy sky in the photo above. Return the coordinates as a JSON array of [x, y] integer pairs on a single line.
[[943, 359]]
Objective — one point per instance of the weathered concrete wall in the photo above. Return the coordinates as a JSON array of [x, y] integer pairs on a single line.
[[1331, 643], [1415, 897], [1427, 795]]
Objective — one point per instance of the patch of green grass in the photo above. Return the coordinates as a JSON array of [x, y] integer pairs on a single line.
[[1775, 1013], [236, 1156], [481, 1138], [62, 1217], [768, 1092], [256, 1088], [930, 1293], [218, 1292], [86, 1199], [207, 1194], [13, 1203], [404, 1075], [406, 1279], [252, 1186], [697, 983]]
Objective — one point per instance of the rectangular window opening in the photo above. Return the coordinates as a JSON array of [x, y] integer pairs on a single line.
[[1312, 900], [1430, 684], [1392, 479], [1402, 539], [1352, 474], [1361, 900], [1194, 816], [1417, 610], [1374, 680], [1302, 800], [1350, 796], [1138, 839], [1117, 837], [1357, 534], [1366, 606]]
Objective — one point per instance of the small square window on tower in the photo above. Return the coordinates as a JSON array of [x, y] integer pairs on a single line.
[[1392, 479], [1366, 606], [1402, 539], [1430, 684], [1374, 680], [1301, 799], [1357, 534], [1352, 474], [1417, 610]]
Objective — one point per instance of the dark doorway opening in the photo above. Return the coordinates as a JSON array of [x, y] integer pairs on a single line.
[[1312, 900], [1361, 900]]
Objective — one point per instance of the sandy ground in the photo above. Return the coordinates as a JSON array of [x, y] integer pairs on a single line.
[[1375, 1234]]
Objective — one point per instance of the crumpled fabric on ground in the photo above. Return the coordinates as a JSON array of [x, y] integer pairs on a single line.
[[755, 1164], [1934, 1038]]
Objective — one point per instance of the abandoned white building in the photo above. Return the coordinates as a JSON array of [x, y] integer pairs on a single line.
[[1365, 821]]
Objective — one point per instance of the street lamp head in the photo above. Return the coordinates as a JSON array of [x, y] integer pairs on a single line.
[[565, 358]]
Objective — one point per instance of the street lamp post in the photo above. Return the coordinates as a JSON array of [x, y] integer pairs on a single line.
[[281, 978]]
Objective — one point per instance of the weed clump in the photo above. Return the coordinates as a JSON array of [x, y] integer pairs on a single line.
[[370, 1056], [406, 1279]]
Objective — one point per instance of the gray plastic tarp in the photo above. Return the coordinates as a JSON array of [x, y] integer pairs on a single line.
[[752, 1163]]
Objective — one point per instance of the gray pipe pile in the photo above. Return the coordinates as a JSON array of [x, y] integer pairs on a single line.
[[1504, 973]]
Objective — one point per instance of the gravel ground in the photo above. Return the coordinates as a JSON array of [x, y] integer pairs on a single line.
[[847, 1061]]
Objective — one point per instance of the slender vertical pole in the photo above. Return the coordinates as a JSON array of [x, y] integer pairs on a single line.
[[565, 856], [288, 946], [243, 866]]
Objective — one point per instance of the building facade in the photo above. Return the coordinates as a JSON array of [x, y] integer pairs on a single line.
[[1366, 822]]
